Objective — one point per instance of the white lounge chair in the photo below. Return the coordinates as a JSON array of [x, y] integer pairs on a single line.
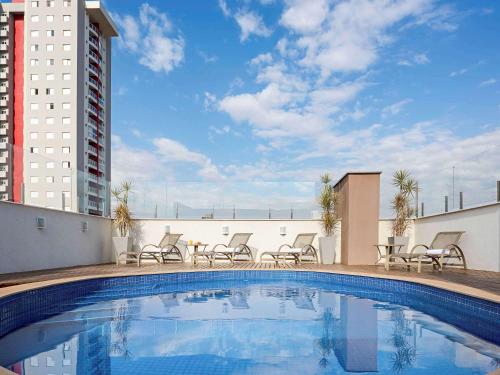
[[236, 250], [165, 251], [301, 250], [443, 251]]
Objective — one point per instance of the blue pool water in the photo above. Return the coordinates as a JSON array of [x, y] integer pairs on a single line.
[[245, 326]]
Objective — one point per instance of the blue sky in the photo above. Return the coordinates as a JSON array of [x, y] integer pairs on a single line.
[[257, 91]]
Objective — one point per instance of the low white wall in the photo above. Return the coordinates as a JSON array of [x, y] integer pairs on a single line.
[[23, 247], [481, 240], [266, 233]]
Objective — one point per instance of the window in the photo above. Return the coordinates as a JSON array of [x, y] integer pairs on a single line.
[[50, 77], [66, 121], [34, 48], [34, 150], [50, 165], [49, 194], [66, 18], [34, 77], [49, 150], [67, 3], [50, 91], [51, 3], [50, 121], [33, 135], [66, 194], [66, 47], [66, 62], [34, 179], [50, 48], [33, 194], [50, 62], [50, 106], [34, 62], [34, 121], [35, 18], [66, 164], [50, 179], [34, 4], [66, 76], [34, 92], [66, 32], [34, 165], [66, 180], [49, 135], [34, 106], [51, 33], [65, 150], [66, 135], [35, 33], [66, 91], [50, 18], [66, 105]]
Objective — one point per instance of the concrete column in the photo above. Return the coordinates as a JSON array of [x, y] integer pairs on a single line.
[[359, 209]]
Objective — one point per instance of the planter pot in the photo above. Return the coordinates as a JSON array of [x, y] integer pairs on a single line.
[[121, 245], [327, 247], [399, 240]]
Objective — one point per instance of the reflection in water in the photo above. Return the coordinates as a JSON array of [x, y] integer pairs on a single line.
[[271, 328]]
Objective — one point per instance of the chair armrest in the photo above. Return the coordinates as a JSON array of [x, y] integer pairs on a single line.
[[418, 245], [219, 244], [282, 246], [148, 245]]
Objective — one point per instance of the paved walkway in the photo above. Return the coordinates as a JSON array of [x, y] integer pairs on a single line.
[[482, 284]]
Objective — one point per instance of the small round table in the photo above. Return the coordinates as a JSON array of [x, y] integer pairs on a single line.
[[196, 251]]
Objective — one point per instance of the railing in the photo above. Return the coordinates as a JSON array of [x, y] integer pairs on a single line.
[[95, 83], [95, 56]]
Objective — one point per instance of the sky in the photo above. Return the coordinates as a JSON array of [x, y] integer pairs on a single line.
[[222, 103]]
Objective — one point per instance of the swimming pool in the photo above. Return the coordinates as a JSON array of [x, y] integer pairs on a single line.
[[247, 322]]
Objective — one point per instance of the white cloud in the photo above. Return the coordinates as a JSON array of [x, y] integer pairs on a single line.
[[137, 133], [417, 59], [263, 58], [457, 73], [209, 101], [209, 59], [225, 9], [173, 151], [251, 23], [488, 82], [304, 16], [395, 108], [152, 37]]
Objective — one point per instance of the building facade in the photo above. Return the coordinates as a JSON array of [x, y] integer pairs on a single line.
[[55, 104]]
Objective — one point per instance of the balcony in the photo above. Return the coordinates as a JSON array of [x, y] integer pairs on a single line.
[[94, 205], [94, 43], [95, 57], [4, 33], [4, 61], [4, 172], [92, 136], [94, 29], [3, 159], [92, 150], [95, 84], [4, 19], [4, 116], [4, 75], [4, 89], [96, 192], [92, 163], [4, 47], [3, 188], [94, 96], [3, 131], [3, 145]]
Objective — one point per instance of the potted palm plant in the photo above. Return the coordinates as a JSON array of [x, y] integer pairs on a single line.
[[328, 200], [401, 204], [122, 219]]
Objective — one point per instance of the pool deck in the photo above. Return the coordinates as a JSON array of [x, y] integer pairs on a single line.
[[481, 284]]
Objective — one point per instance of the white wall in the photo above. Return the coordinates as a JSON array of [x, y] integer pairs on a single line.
[[23, 247], [266, 235], [481, 240]]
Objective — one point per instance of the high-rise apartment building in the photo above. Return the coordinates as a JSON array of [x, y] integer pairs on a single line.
[[55, 104]]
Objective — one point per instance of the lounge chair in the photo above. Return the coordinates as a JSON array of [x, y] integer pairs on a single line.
[[301, 250], [443, 248], [166, 250], [236, 250]]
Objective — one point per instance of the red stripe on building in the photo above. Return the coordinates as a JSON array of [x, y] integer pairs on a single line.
[[18, 116]]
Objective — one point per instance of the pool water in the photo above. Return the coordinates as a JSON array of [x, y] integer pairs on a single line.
[[265, 327]]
